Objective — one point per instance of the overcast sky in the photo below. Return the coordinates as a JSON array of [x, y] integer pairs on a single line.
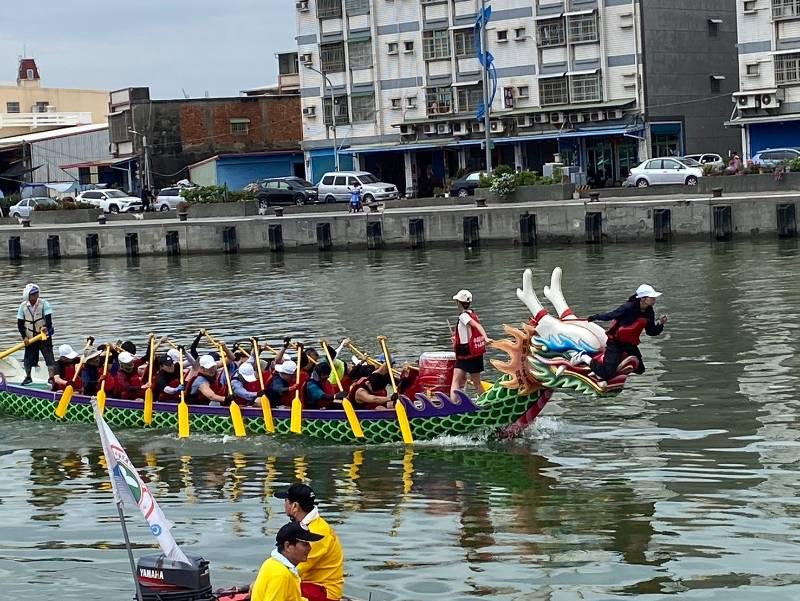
[[219, 46]]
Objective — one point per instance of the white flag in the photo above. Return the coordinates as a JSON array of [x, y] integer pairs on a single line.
[[131, 490]]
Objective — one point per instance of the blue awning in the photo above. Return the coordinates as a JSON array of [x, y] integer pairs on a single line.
[[581, 133], [449, 143]]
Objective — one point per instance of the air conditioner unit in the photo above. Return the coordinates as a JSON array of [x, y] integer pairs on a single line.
[[576, 118], [748, 101], [478, 127], [301, 5], [429, 128], [306, 59], [497, 127], [615, 114], [310, 111], [460, 128], [771, 100], [443, 128], [541, 118], [524, 121], [597, 116], [556, 118], [406, 130]]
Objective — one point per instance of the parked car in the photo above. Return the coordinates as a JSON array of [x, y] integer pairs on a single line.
[[465, 185], [772, 157], [112, 201], [336, 186], [24, 207], [285, 191], [667, 170], [168, 199], [715, 160]]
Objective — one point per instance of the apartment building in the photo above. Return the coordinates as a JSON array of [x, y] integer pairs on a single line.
[[767, 104], [402, 82]]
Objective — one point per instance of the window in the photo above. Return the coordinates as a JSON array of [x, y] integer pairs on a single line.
[[396, 104], [523, 92], [41, 107], [287, 63], [240, 127], [670, 164], [750, 6], [752, 69], [360, 54], [329, 9], [436, 44], [469, 99], [391, 48], [713, 26], [439, 100], [341, 180], [502, 35], [664, 145], [583, 28], [519, 33], [342, 109], [787, 68], [327, 180], [12, 107], [363, 108], [408, 46], [30, 74], [355, 7], [553, 91], [785, 8], [331, 57], [585, 88], [411, 102], [550, 33], [464, 40]]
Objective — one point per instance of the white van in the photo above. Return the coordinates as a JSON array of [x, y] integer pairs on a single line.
[[336, 186]]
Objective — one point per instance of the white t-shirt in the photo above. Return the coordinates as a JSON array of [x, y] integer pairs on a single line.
[[464, 328]]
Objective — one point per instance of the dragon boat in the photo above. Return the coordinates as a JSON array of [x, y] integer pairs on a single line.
[[539, 363]]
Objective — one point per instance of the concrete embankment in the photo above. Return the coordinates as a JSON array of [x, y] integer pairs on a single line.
[[608, 220]]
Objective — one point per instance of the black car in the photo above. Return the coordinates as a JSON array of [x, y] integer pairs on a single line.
[[286, 191], [465, 186]]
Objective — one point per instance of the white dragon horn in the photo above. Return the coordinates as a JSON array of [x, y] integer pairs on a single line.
[[555, 295], [528, 295]]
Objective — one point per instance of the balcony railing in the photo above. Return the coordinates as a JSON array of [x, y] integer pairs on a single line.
[[43, 120]]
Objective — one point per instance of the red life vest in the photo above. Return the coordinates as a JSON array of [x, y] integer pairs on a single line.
[[628, 334], [218, 386], [69, 375], [361, 384], [174, 383], [476, 346], [130, 386]]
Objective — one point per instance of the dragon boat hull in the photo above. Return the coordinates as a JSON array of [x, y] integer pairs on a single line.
[[499, 408]]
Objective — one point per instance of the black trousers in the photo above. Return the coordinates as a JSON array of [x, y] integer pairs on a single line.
[[615, 353]]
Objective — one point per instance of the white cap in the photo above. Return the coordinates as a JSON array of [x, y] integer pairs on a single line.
[[647, 291], [288, 368], [125, 357], [207, 362], [174, 355], [247, 372], [66, 351], [29, 289], [463, 296]]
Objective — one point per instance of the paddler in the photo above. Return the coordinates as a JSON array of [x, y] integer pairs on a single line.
[[469, 344], [128, 384], [368, 390], [322, 574], [33, 315], [278, 578], [283, 385], [65, 369], [317, 392], [206, 388], [246, 387], [168, 379], [628, 321], [90, 372]]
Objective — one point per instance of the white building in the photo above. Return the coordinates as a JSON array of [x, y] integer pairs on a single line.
[[406, 84], [767, 105]]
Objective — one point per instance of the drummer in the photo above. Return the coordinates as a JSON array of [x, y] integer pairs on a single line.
[[34, 315]]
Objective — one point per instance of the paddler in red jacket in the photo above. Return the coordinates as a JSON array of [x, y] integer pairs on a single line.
[[628, 322], [469, 344], [64, 374]]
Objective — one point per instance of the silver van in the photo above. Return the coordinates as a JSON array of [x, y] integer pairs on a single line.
[[336, 187]]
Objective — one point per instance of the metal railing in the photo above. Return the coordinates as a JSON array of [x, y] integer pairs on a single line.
[[37, 120]]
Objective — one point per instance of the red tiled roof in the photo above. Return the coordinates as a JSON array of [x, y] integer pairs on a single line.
[[24, 65]]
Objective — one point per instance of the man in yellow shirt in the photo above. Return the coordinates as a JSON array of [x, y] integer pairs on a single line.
[[278, 579], [322, 574]]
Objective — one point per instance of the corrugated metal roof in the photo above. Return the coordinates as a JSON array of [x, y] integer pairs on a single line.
[[53, 134]]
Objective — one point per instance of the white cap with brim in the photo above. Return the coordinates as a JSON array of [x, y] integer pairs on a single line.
[[288, 368], [463, 296], [647, 291], [125, 357], [29, 289], [247, 372], [174, 354], [207, 362], [67, 351]]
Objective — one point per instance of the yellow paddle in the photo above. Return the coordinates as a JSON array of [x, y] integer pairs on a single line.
[[183, 408], [399, 408], [101, 394], [236, 412], [296, 425], [266, 409], [66, 396], [352, 418], [148, 394], [18, 347]]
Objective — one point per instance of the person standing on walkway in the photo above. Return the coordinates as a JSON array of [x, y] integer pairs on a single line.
[[469, 344], [147, 198], [33, 315]]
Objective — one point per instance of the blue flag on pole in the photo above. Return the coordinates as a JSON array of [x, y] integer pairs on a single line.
[[486, 60]]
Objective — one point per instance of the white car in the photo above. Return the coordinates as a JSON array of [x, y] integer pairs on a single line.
[[112, 201], [336, 186], [708, 158], [666, 170], [168, 199], [24, 207]]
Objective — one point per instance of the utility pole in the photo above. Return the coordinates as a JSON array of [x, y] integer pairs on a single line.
[[327, 81], [486, 93], [147, 174]]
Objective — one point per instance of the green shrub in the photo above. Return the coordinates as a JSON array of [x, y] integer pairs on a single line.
[[794, 165], [66, 204], [503, 170], [212, 194]]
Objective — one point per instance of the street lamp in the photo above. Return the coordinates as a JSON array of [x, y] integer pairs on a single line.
[[333, 115]]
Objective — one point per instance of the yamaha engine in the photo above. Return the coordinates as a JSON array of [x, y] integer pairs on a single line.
[[162, 579]]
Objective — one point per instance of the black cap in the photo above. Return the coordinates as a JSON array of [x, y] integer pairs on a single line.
[[293, 532], [299, 493]]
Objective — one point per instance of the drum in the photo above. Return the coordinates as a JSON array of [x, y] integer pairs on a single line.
[[436, 372]]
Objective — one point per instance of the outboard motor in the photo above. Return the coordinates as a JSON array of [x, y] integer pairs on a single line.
[[162, 579]]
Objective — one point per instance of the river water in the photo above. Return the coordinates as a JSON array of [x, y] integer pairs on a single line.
[[685, 486]]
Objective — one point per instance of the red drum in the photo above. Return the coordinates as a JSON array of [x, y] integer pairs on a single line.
[[436, 372]]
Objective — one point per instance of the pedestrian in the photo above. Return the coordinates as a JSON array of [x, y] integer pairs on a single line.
[[147, 198], [355, 196], [33, 316], [469, 344]]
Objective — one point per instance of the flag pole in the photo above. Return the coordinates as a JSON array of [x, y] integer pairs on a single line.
[[130, 550]]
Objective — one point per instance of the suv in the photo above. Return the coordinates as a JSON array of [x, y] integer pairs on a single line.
[[335, 187], [112, 201], [168, 199], [772, 157], [284, 191], [712, 159]]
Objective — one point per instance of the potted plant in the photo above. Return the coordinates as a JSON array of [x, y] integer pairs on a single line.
[[183, 210]]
